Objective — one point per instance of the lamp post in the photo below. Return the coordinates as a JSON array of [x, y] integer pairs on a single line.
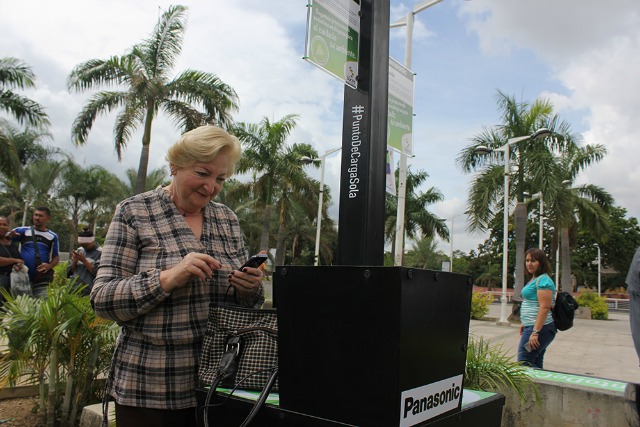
[[505, 224], [599, 264], [321, 159], [564, 183], [402, 167], [451, 240]]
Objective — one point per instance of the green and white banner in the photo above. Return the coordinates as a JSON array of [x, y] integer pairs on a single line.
[[333, 35], [400, 120]]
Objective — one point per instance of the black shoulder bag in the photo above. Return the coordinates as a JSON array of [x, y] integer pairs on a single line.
[[240, 350]]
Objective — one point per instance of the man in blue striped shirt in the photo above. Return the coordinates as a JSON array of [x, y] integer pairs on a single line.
[[41, 266]]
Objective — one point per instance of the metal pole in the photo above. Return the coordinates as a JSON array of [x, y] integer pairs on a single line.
[[316, 261], [505, 239], [402, 167], [558, 262], [316, 257], [541, 223], [599, 263], [451, 247]]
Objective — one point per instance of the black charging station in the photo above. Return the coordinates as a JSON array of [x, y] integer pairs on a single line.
[[364, 345]]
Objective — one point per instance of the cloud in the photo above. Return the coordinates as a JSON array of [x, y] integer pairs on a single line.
[[594, 53]]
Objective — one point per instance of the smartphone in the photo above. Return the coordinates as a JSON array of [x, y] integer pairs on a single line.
[[255, 261], [527, 347]]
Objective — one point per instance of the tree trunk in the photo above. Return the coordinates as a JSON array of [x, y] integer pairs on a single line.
[[520, 225], [53, 382], [144, 154], [280, 249], [264, 238], [565, 262]]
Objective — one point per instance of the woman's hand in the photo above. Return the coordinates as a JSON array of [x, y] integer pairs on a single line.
[[246, 282], [193, 264], [18, 265], [534, 342]]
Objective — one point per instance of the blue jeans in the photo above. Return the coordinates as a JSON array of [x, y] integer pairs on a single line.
[[535, 358]]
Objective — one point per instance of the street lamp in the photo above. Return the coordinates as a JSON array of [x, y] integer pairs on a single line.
[[402, 167], [451, 240], [599, 266], [321, 159], [564, 183], [505, 242]]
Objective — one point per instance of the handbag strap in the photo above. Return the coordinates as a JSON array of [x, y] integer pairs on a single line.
[[553, 298], [228, 367]]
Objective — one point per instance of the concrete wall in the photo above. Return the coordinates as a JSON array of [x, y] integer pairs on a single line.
[[565, 405]]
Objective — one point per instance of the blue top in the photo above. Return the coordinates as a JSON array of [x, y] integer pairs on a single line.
[[530, 304]]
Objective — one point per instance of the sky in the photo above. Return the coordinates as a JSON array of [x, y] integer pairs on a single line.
[[584, 56]]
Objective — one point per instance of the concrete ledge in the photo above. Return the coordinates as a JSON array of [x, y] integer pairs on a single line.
[[19, 391], [92, 415], [575, 402]]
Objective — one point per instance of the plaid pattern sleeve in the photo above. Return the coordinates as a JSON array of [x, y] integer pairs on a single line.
[[156, 359]]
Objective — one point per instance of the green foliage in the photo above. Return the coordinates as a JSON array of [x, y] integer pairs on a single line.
[[598, 305], [480, 302], [425, 254], [54, 341], [491, 369]]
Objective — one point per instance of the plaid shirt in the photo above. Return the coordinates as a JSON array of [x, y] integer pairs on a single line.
[[155, 363]]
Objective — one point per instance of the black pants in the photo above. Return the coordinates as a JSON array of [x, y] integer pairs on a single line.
[[131, 416]]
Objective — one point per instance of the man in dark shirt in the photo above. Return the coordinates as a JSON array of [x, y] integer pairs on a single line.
[[85, 261]]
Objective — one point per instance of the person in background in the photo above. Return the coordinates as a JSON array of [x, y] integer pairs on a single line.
[[537, 330], [633, 288], [85, 261], [9, 257], [40, 264], [168, 254]]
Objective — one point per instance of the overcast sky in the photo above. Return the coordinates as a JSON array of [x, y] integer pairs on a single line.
[[584, 55]]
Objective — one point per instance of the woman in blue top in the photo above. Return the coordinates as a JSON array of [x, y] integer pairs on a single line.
[[537, 330]]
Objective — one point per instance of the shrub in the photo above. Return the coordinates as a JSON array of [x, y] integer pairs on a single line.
[[55, 341], [480, 304], [491, 369], [598, 305]]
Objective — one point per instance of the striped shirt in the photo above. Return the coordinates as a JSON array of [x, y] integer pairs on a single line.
[[530, 304], [47, 244], [155, 363]]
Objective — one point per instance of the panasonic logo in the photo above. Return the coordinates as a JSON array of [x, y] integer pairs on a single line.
[[425, 402]]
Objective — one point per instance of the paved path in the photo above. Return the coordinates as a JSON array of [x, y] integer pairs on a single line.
[[598, 348]]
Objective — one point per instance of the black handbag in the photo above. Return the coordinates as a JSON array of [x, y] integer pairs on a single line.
[[239, 350]]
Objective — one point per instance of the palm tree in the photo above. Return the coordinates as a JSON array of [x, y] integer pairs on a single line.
[[585, 204], [425, 254], [144, 72], [418, 220], [272, 162], [297, 194], [15, 74], [487, 188], [25, 147]]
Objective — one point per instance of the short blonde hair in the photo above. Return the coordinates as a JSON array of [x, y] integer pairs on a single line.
[[203, 144]]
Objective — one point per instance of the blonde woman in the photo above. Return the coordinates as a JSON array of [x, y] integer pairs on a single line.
[[168, 254]]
